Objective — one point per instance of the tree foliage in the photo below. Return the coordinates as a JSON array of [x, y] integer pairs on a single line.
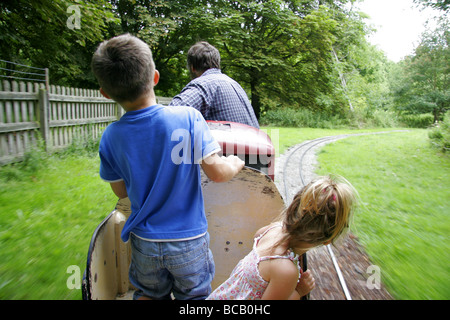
[[300, 54], [443, 5], [278, 51], [37, 33], [424, 84]]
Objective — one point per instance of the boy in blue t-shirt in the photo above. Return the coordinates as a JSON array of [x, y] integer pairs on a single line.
[[153, 156]]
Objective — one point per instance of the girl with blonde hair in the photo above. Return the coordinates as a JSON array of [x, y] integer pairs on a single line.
[[319, 214]]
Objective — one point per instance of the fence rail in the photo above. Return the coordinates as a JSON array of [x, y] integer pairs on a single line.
[[57, 115], [16, 71]]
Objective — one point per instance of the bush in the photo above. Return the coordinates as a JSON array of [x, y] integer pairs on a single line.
[[440, 135], [302, 118], [33, 160], [384, 119], [37, 158], [373, 118], [83, 145], [417, 120], [360, 118]]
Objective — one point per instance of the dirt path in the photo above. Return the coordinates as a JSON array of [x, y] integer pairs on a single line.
[[360, 276]]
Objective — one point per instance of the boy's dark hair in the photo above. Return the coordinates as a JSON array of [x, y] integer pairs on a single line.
[[124, 68], [203, 56]]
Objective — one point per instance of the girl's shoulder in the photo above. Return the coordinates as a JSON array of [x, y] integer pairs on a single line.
[[280, 271], [264, 229], [284, 267]]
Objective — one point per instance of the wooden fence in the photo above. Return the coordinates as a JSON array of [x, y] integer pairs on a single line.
[[58, 115]]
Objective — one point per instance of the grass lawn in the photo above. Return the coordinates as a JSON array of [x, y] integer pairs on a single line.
[[47, 217], [284, 138], [46, 222], [404, 221]]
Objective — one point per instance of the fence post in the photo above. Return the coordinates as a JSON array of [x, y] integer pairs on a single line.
[[43, 117], [47, 80], [119, 111]]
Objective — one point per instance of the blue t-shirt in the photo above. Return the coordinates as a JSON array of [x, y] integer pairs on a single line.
[[157, 151]]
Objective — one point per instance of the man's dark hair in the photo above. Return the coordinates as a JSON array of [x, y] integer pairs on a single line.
[[203, 56]]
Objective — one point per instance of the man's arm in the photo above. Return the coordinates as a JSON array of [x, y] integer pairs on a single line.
[[192, 96], [222, 169]]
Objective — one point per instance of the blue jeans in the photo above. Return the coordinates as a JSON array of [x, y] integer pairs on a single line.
[[184, 268]]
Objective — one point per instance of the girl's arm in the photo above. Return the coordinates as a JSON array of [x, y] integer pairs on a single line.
[[283, 278], [282, 282]]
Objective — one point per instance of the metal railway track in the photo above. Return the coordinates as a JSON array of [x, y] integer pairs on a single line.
[[304, 148]]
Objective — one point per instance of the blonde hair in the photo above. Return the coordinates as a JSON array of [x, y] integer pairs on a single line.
[[320, 212]]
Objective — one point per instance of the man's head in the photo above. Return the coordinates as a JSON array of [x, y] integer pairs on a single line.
[[124, 68], [201, 57]]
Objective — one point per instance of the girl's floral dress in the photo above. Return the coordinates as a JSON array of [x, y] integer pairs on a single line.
[[245, 282]]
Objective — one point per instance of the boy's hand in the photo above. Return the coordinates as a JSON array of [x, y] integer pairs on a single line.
[[235, 161], [306, 284], [222, 169]]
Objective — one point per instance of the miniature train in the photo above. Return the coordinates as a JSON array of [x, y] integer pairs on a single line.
[[235, 210]]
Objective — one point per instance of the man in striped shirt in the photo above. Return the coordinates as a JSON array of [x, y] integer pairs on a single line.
[[214, 94]]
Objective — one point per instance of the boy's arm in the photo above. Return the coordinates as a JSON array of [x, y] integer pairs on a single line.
[[221, 169], [119, 189]]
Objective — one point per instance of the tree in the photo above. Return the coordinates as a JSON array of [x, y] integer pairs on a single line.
[[42, 34], [166, 26], [276, 49], [426, 85], [280, 50], [443, 5]]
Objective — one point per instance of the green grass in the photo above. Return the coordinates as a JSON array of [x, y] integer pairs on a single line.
[[46, 222], [284, 138], [404, 220]]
